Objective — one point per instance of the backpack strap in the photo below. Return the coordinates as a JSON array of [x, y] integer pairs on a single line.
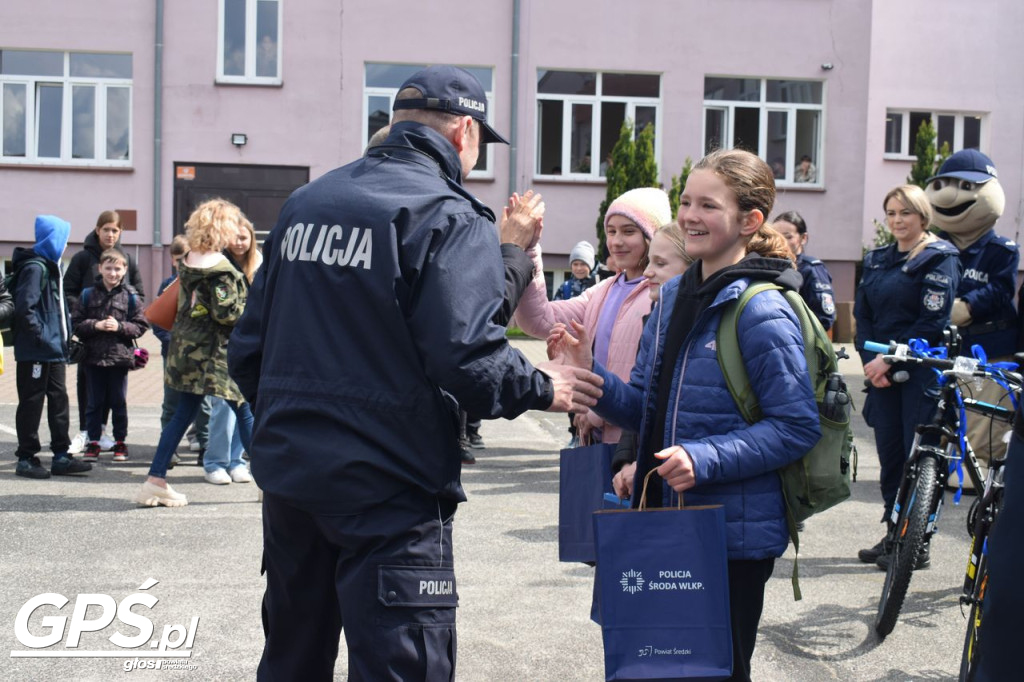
[[133, 299], [730, 359], [42, 266]]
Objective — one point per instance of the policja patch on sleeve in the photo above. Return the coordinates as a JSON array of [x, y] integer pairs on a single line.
[[828, 305], [934, 300]]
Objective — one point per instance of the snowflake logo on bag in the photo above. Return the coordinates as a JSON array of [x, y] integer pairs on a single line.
[[632, 581]]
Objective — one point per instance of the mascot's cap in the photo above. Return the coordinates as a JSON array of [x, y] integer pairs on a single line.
[[968, 164]]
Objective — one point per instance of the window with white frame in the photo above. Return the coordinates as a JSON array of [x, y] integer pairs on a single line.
[[382, 82], [958, 130], [66, 108], [580, 115], [779, 120], [249, 42]]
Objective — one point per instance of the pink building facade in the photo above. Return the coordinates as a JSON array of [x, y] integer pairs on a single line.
[[255, 97]]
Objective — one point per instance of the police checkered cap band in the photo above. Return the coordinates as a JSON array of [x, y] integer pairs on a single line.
[[452, 90]]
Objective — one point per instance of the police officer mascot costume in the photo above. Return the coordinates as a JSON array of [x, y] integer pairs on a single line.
[[967, 200]]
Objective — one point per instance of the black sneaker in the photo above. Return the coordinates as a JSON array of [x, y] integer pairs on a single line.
[[924, 560], [870, 556], [467, 456], [475, 441], [65, 466], [31, 468]]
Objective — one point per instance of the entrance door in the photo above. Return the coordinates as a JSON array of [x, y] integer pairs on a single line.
[[259, 191]]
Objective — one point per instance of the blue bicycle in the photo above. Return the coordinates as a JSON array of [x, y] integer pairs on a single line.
[[940, 448]]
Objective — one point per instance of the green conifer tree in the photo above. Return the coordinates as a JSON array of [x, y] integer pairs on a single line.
[[924, 150], [632, 165], [620, 169], [678, 184]]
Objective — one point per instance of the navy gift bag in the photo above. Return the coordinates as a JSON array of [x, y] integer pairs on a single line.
[[664, 591], [585, 475]]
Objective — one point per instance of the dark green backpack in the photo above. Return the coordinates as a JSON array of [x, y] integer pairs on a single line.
[[11, 278], [821, 478]]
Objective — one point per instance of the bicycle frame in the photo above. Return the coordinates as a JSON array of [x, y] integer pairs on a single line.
[[940, 447]]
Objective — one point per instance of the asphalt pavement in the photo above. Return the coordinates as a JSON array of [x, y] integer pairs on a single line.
[[522, 614]]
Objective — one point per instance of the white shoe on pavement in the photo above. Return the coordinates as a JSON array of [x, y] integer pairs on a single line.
[[217, 477], [151, 495], [240, 474], [79, 442], [106, 442]]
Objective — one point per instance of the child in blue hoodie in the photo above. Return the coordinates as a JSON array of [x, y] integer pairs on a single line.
[[41, 332]]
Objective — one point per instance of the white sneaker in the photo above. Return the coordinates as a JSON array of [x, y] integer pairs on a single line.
[[79, 442], [106, 442], [217, 477], [194, 446], [240, 474], [151, 495]]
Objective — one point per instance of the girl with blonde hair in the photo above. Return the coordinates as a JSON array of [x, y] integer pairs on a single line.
[[906, 291], [212, 298]]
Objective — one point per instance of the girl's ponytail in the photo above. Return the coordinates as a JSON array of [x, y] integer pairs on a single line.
[[768, 243]]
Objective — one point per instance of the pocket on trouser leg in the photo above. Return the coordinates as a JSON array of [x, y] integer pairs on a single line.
[[415, 631], [868, 410]]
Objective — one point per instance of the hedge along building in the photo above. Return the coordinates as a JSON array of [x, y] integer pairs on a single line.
[[248, 99]]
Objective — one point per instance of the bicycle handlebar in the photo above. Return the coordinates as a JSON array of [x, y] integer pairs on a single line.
[[960, 365]]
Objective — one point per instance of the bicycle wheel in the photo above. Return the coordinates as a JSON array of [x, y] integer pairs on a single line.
[[972, 516], [969, 659], [908, 538]]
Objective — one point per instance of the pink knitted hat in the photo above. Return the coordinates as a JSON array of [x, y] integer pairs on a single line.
[[646, 206]]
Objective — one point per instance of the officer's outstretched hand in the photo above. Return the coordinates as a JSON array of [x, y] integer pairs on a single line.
[[576, 389]]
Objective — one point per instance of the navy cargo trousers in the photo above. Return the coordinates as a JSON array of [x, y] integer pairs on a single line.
[[385, 577]]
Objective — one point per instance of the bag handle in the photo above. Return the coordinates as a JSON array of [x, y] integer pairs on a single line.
[[643, 493]]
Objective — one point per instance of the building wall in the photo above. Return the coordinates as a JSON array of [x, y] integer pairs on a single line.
[[948, 56], [938, 55], [79, 195]]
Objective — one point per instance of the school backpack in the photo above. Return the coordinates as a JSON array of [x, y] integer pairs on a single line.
[[133, 298], [11, 278], [821, 478]]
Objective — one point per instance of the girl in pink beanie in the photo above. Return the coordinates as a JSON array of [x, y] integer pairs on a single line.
[[612, 311]]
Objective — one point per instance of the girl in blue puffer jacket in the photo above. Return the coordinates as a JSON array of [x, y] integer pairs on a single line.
[[689, 427]]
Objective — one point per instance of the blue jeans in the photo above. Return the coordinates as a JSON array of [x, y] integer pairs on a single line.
[[171, 402], [224, 448], [184, 414]]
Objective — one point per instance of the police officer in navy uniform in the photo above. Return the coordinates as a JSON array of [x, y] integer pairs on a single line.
[[905, 292], [817, 287], [368, 326], [967, 200]]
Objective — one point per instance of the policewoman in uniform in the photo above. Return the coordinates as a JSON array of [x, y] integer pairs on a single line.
[[816, 289], [906, 291], [368, 327]]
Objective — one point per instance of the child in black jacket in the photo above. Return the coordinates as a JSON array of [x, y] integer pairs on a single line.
[[107, 318]]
